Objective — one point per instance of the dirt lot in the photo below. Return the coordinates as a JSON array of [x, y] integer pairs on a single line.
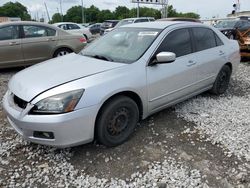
[[203, 142]]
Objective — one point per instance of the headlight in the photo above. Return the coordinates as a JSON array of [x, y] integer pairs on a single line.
[[57, 104]]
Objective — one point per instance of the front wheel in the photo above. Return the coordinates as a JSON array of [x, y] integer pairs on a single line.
[[222, 81], [116, 121]]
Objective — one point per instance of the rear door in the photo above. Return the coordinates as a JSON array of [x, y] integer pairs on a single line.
[[172, 81], [10, 46], [210, 55], [38, 43]]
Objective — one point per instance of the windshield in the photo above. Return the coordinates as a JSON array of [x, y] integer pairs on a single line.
[[124, 22], [123, 45], [225, 24]]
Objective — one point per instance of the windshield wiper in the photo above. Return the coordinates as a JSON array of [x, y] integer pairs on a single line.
[[102, 57]]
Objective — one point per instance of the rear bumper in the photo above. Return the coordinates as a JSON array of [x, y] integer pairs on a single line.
[[69, 129]]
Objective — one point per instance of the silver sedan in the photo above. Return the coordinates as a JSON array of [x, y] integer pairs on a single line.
[[121, 78]]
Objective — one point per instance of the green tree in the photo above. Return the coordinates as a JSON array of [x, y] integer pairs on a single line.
[[172, 12], [105, 15], [74, 14], [16, 9], [121, 12], [191, 15], [150, 12], [57, 17], [92, 14]]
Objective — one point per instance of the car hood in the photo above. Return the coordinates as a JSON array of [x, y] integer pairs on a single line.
[[225, 29], [36, 79]]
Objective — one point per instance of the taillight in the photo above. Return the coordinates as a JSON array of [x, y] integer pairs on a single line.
[[83, 40]]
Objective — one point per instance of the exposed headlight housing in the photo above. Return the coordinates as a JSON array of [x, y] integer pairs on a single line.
[[58, 104]]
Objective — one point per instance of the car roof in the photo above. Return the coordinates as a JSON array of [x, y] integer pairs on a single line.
[[179, 19], [60, 23], [161, 24], [111, 21], [27, 23], [137, 18]]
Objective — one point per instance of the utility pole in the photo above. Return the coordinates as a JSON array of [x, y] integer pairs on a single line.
[[164, 8], [138, 10], [83, 20], [61, 10], [47, 11]]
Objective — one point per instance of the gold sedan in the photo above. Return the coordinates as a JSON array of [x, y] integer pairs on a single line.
[[25, 43]]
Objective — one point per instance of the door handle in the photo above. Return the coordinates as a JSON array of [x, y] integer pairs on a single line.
[[221, 53], [13, 43], [50, 39], [191, 63]]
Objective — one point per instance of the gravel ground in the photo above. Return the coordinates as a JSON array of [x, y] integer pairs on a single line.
[[224, 120], [203, 142]]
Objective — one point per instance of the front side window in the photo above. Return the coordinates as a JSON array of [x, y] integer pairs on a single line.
[[204, 38], [31, 31], [178, 42], [124, 45], [218, 40], [9, 33]]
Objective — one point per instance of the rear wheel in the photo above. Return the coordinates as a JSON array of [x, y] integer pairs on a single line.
[[117, 121], [222, 81], [61, 52]]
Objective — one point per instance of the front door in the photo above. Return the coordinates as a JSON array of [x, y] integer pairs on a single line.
[[172, 81], [10, 46]]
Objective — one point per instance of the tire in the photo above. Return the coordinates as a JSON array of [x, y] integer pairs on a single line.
[[222, 81], [116, 121], [61, 52]]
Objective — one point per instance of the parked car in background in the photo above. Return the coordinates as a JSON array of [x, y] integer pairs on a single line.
[[95, 28], [130, 21], [85, 24], [25, 43], [147, 67], [229, 27], [108, 24], [75, 29], [180, 19]]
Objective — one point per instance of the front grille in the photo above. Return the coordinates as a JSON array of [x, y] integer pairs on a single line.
[[20, 102]]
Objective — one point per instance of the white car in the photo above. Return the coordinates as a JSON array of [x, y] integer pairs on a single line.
[[75, 28], [130, 21], [125, 76]]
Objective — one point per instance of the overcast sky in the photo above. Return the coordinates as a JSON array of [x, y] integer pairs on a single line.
[[206, 8]]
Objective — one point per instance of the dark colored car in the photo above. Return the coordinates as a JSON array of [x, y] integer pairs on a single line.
[[229, 27], [107, 25], [95, 28], [180, 19]]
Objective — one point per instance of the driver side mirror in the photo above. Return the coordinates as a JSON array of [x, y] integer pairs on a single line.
[[164, 57]]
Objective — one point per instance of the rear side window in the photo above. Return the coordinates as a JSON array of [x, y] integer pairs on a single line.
[[64, 27], [31, 31], [218, 40], [9, 33], [73, 26], [178, 42], [204, 38]]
